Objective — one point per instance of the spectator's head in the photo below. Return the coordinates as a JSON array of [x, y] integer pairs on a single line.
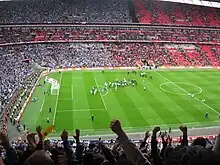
[[125, 163], [193, 155], [94, 159], [88, 159], [200, 141], [100, 160], [39, 157], [168, 151]]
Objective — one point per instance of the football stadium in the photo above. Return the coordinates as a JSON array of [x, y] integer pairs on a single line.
[[110, 82]]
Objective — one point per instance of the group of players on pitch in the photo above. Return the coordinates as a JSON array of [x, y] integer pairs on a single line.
[[119, 83], [115, 85]]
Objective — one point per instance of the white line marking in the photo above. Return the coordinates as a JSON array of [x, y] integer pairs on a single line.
[[42, 105], [188, 92], [81, 110], [100, 94], [178, 93], [55, 111]]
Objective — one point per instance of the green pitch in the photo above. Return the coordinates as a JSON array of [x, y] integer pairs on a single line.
[[171, 98]]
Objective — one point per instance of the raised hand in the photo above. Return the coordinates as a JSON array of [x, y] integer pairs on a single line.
[[169, 138], [77, 135], [115, 126], [31, 140], [147, 135], [64, 135], [183, 129], [156, 129], [39, 133]]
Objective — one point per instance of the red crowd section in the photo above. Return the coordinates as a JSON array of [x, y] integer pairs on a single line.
[[157, 12]]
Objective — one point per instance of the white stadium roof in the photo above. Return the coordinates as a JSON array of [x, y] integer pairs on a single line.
[[197, 2]]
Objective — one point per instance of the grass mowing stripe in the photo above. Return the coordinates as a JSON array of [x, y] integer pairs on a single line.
[[100, 93], [162, 102], [188, 92], [55, 111], [130, 110], [72, 98], [131, 116], [72, 90], [82, 119], [80, 100], [115, 110], [136, 99], [167, 117], [102, 118], [150, 110]]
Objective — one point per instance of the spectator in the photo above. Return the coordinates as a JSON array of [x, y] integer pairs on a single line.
[[58, 11], [120, 153]]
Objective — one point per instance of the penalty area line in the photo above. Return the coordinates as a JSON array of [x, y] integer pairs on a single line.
[[188, 92], [80, 110]]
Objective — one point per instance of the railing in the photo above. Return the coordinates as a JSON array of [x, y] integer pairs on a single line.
[[108, 41], [106, 26]]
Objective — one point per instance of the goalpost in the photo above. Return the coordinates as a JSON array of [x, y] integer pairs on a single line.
[[55, 86]]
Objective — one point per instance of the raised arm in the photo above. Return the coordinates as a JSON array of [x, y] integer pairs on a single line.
[[131, 151]]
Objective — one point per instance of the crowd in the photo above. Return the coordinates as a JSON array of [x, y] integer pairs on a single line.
[[168, 34], [157, 12], [14, 108], [68, 11], [73, 11], [30, 151], [15, 63], [68, 55], [14, 69]]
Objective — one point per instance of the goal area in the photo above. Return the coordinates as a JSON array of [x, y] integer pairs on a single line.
[[55, 86]]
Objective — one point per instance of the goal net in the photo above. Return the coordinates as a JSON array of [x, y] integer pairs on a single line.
[[55, 86]]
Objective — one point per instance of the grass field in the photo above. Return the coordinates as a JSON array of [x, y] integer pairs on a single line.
[[165, 102]]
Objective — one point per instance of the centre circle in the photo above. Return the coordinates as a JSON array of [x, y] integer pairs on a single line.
[[180, 88]]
